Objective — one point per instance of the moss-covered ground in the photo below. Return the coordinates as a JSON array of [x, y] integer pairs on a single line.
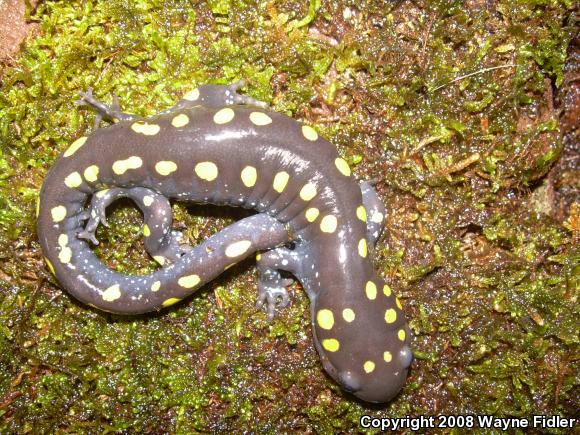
[[447, 104]]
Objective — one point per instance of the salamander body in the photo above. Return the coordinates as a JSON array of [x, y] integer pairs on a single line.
[[217, 146]]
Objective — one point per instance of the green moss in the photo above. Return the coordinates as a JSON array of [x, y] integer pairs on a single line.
[[443, 103]]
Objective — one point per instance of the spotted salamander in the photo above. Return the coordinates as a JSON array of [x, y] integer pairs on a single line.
[[218, 146]]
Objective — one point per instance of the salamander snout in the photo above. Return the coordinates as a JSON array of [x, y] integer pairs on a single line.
[[349, 381], [383, 383], [381, 387]]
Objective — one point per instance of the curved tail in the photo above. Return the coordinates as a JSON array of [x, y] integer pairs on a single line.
[[83, 275]]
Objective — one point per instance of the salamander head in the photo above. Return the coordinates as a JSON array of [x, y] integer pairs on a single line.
[[365, 346]]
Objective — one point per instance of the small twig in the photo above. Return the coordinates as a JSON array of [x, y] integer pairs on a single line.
[[459, 165], [427, 141], [102, 73], [481, 71]]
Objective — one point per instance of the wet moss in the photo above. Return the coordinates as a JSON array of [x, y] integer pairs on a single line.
[[446, 104]]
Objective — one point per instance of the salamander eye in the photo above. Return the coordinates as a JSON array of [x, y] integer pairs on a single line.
[[405, 356]]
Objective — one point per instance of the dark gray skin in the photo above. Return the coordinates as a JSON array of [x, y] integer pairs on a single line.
[[216, 146]]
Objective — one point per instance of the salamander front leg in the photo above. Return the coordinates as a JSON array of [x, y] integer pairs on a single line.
[[272, 286], [160, 242], [375, 211]]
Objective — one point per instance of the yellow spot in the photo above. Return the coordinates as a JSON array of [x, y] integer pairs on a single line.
[[401, 334], [368, 366], [398, 303], [112, 293], [75, 146], [387, 290], [223, 116], [101, 193], [371, 290], [180, 120], [362, 248], [134, 162], [280, 181], [65, 255], [170, 302], [390, 316], [258, 256], [331, 344], [361, 213], [348, 315], [156, 286], [387, 356], [342, 166], [308, 192], [49, 265], [377, 217], [122, 166], [73, 180], [147, 200], [311, 214], [146, 230], [159, 259], [325, 319], [165, 167], [328, 224], [309, 133], [249, 176], [238, 248], [145, 128], [192, 95], [37, 206], [259, 118], [62, 240], [91, 173], [58, 213], [189, 281], [206, 171]]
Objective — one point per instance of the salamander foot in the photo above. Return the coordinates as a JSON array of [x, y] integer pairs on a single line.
[[272, 292]]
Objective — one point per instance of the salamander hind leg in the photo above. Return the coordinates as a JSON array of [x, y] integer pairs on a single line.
[[96, 212], [163, 244], [109, 113], [160, 242], [272, 285]]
